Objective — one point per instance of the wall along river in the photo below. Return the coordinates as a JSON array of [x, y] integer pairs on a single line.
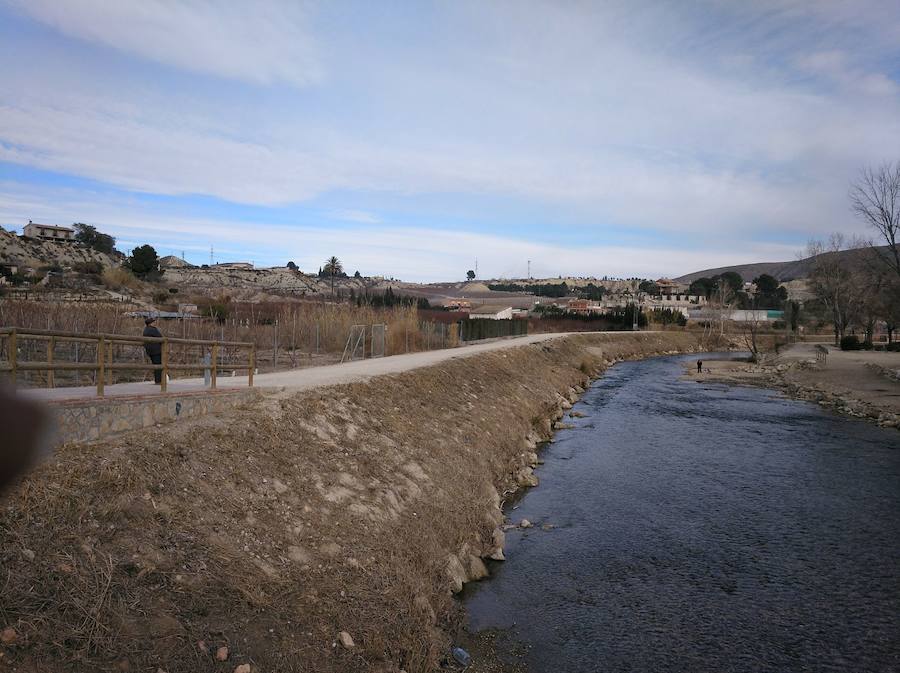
[[703, 527]]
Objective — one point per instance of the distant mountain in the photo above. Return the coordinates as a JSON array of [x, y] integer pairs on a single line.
[[783, 271]]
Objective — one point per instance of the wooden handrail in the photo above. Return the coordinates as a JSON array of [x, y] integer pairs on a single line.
[[104, 365], [119, 338]]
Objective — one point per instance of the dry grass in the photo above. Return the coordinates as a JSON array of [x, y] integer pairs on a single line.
[[279, 526], [118, 278]]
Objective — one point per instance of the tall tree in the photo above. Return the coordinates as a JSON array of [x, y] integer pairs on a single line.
[[769, 293], [875, 198], [89, 236], [143, 260], [470, 274], [333, 268]]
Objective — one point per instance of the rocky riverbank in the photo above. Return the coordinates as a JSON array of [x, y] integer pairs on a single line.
[[320, 531], [846, 383]]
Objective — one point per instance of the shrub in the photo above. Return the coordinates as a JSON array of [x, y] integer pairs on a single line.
[[850, 343], [893, 346], [92, 267], [119, 277]]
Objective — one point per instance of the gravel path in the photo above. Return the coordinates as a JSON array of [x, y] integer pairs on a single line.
[[305, 378]]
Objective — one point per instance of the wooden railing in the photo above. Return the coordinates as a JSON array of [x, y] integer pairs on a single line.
[[103, 366]]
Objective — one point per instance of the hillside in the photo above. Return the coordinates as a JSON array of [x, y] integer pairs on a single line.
[[783, 271], [36, 253], [277, 279]]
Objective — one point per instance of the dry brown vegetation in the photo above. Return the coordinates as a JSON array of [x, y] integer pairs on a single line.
[[286, 334], [274, 529]]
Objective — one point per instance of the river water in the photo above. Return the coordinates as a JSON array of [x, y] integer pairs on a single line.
[[703, 527]]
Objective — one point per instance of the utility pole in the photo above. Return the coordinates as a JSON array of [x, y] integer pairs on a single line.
[[210, 255], [476, 267]]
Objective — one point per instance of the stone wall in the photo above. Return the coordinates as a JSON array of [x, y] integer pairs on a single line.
[[87, 420]]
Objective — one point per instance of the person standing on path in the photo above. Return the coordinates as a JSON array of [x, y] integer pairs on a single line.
[[153, 348], [699, 366]]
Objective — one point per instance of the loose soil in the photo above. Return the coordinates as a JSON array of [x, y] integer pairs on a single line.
[[269, 531]]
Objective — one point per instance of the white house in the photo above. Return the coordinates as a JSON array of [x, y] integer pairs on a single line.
[[491, 312], [49, 232]]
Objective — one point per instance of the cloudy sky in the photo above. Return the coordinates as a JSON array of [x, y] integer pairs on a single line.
[[409, 138]]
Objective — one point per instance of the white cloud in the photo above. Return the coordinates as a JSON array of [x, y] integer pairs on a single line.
[[838, 67], [262, 42], [410, 253], [360, 216], [603, 114]]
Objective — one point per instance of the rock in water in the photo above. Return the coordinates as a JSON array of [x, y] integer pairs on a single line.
[[461, 657]]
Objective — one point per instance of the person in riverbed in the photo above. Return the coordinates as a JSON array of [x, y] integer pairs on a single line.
[[699, 366], [153, 348]]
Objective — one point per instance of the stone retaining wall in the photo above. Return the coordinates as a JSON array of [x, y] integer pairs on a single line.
[[86, 420]]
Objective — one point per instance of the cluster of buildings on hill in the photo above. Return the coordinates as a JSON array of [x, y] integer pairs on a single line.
[[671, 295]]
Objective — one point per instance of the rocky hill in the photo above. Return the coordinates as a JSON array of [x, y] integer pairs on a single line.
[[276, 280], [784, 271], [35, 253]]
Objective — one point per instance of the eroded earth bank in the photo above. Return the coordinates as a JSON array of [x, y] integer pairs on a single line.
[[316, 531]]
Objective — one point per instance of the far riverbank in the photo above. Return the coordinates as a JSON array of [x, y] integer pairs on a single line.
[[861, 384]]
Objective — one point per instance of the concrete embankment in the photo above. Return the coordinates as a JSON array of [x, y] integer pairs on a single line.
[[318, 531]]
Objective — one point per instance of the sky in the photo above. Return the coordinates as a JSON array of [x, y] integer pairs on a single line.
[[411, 138]]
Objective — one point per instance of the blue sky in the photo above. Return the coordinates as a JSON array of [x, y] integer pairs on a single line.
[[409, 138]]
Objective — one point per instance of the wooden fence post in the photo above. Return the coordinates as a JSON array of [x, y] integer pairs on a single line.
[[111, 347], [101, 365], [212, 370], [252, 364], [13, 355], [51, 346], [165, 366]]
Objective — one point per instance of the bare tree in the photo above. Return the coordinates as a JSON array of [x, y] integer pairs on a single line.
[[875, 198], [833, 283]]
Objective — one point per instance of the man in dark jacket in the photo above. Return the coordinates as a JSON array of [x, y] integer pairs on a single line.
[[153, 348]]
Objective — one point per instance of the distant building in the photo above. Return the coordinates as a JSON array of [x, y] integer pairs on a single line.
[[458, 305], [48, 232], [667, 286], [491, 313], [246, 266], [582, 306]]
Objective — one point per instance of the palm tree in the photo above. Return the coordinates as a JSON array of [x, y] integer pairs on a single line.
[[333, 268]]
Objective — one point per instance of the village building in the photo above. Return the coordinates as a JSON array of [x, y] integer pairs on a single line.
[[583, 306], [48, 232], [235, 266], [458, 305], [668, 287], [491, 312]]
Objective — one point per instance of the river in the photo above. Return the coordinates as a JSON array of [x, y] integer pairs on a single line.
[[685, 526]]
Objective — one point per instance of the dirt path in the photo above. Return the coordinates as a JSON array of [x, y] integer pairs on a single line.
[[309, 377]]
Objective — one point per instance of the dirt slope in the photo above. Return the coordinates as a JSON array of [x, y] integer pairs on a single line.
[[352, 508], [37, 253]]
